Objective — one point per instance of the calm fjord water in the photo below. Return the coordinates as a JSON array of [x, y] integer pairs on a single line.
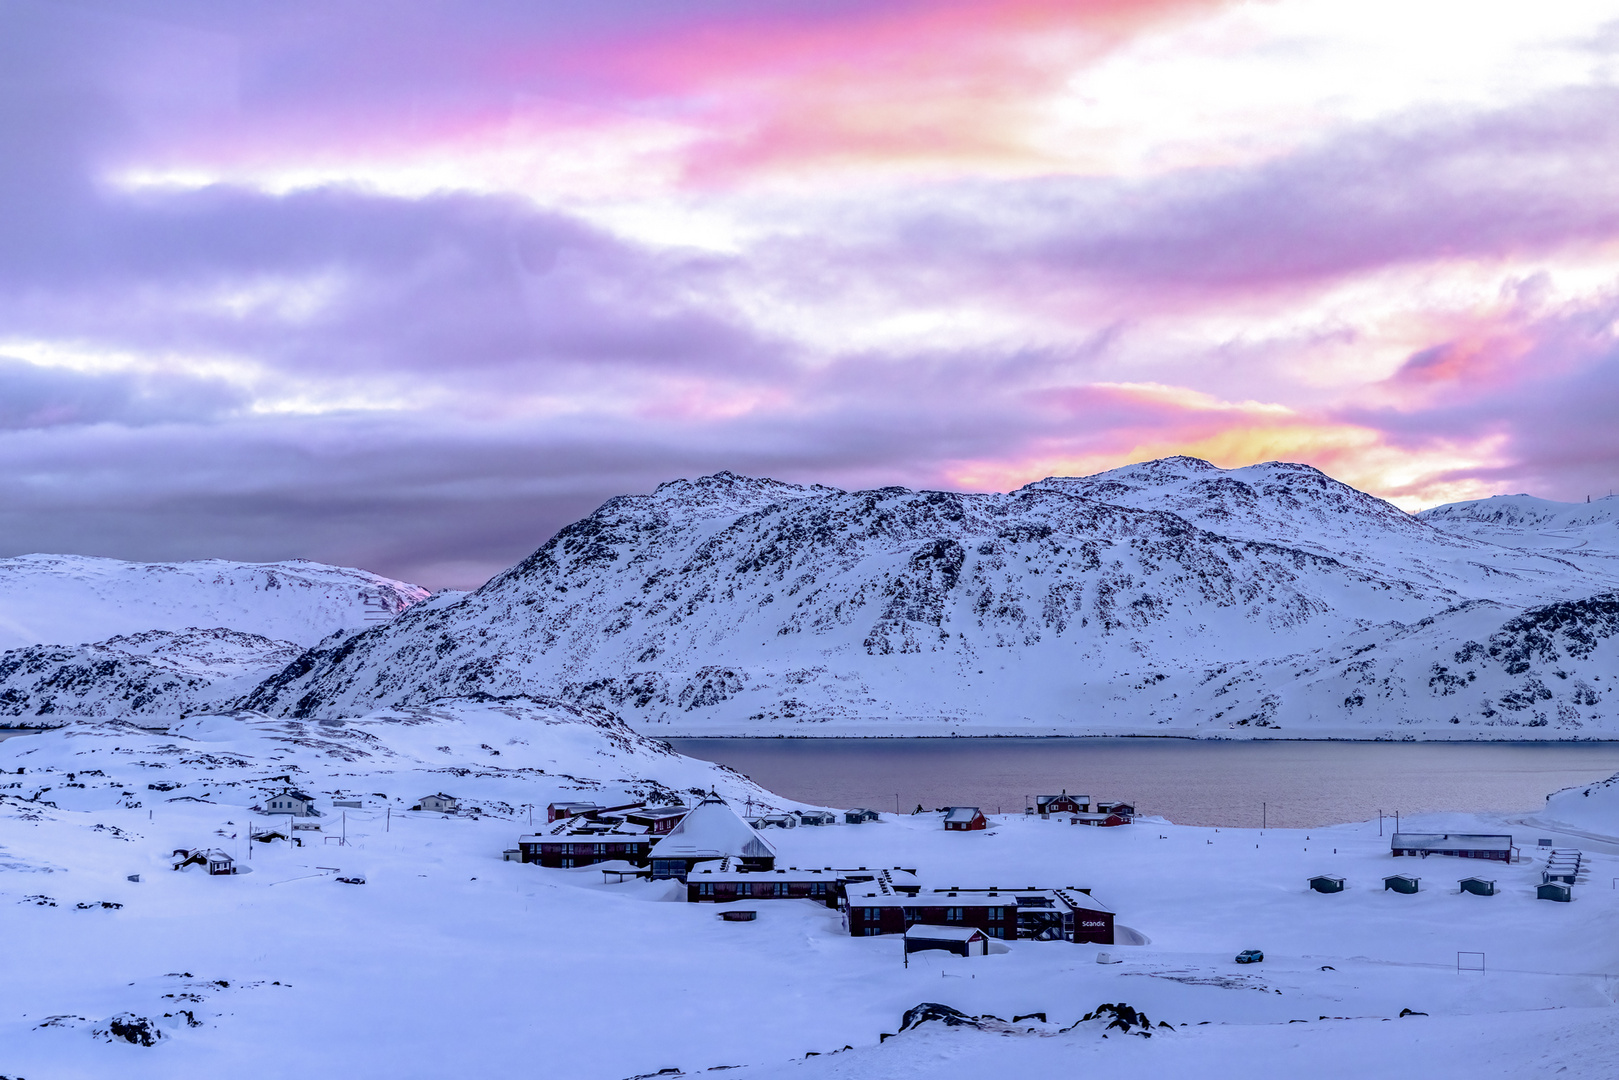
[[1193, 783]]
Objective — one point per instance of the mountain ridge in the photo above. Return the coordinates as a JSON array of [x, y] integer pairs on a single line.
[[735, 605]]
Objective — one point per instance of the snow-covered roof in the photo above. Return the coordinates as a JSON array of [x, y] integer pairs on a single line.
[[1452, 841], [439, 795], [713, 830], [961, 813], [920, 932], [293, 793]]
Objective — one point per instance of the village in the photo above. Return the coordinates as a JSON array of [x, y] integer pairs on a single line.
[[178, 876], [723, 858]]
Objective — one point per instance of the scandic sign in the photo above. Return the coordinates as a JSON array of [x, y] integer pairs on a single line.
[[1093, 922]]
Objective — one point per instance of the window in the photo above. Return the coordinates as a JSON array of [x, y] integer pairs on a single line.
[[744, 889], [601, 849], [781, 888], [818, 888], [566, 864], [873, 914], [997, 931], [705, 889], [996, 914], [952, 914], [872, 931]]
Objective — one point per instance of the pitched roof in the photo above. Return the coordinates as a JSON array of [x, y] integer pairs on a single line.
[[712, 830], [961, 813]]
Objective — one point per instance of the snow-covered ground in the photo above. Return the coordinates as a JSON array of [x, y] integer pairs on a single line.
[[449, 961]]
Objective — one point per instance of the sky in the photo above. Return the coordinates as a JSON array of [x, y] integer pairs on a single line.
[[408, 286]]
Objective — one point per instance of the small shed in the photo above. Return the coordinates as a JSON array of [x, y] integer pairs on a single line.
[[960, 940], [859, 815], [438, 803], [1401, 883], [964, 819], [817, 817], [1555, 890], [293, 802], [1327, 884], [1477, 886]]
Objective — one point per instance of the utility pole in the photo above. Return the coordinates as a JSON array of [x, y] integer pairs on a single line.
[[1264, 815], [1380, 823]]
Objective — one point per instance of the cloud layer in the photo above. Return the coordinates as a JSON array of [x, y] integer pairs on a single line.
[[411, 291]]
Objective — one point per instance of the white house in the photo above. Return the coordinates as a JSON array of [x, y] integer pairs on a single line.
[[439, 803], [291, 801]]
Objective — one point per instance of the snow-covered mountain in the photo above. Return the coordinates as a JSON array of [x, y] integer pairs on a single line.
[[1155, 598], [1588, 530], [72, 599], [159, 672]]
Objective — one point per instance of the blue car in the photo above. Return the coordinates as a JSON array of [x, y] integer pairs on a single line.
[[1250, 956]]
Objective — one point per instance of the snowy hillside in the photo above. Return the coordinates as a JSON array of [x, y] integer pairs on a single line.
[[161, 672], [73, 599], [1577, 530], [1481, 669], [494, 755], [733, 605], [1593, 808]]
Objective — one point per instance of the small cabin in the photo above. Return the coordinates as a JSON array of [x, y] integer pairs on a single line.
[[1477, 886], [1555, 890], [964, 819], [438, 803], [860, 815], [1324, 883], [293, 802], [1099, 820], [1125, 810], [959, 940], [1401, 883], [775, 821], [817, 817], [1064, 803], [218, 863]]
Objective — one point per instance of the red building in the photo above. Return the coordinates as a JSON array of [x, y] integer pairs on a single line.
[[964, 819], [1062, 804], [723, 885], [1457, 845], [568, 852]]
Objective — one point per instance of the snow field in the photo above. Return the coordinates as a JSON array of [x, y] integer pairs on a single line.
[[449, 961]]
